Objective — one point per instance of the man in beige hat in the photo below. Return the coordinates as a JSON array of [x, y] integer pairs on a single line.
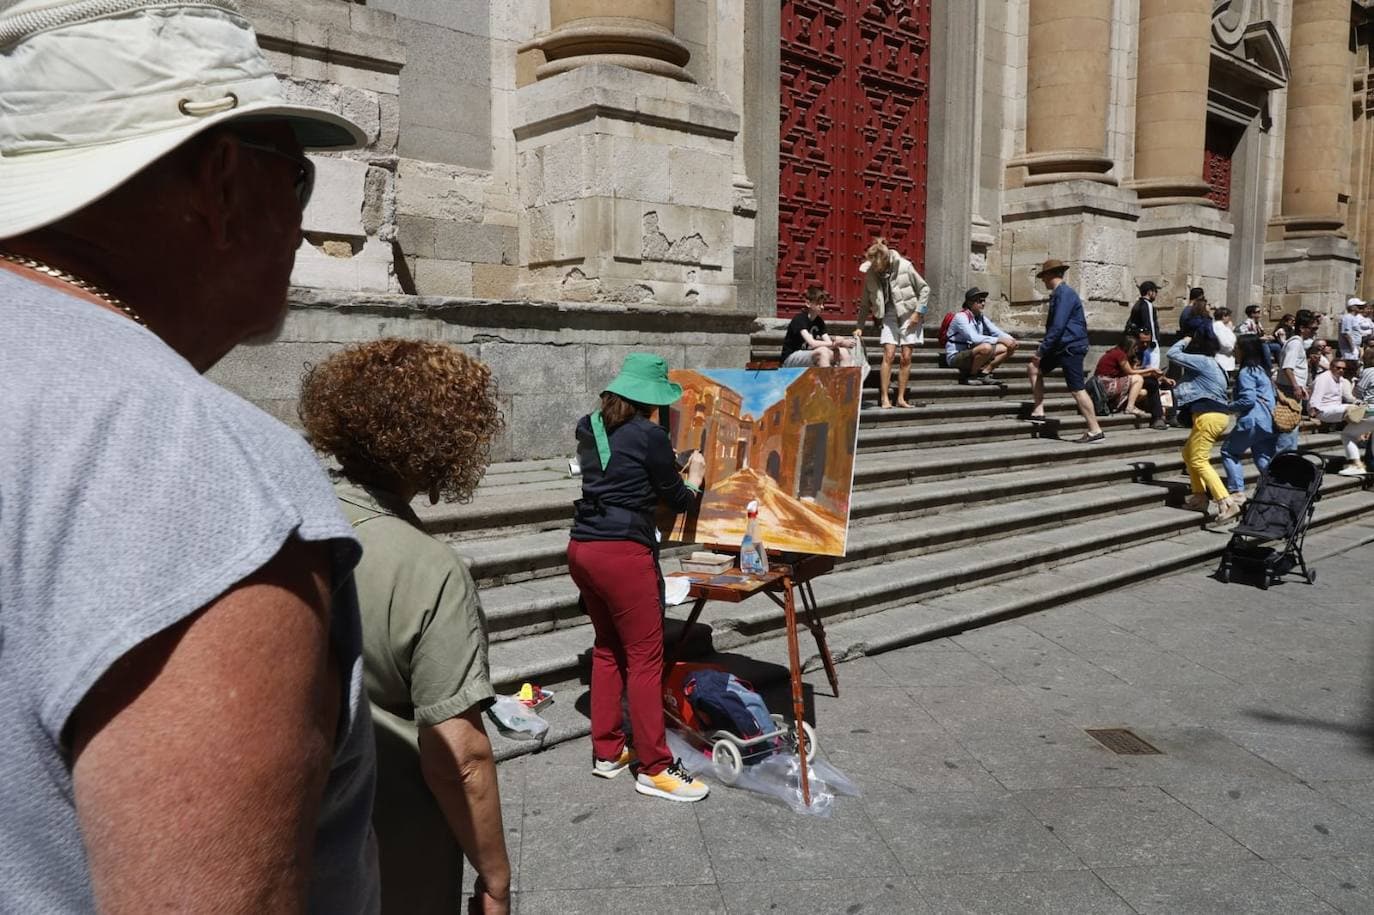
[[1064, 346], [181, 679]]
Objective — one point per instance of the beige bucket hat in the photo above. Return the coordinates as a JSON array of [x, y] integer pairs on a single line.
[[94, 90]]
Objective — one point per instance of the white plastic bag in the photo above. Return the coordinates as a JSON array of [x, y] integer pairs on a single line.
[[514, 720], [777, 778]]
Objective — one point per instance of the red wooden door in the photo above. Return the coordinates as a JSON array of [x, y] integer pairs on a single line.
[[852, 164]]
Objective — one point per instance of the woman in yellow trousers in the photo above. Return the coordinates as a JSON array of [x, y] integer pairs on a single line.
[[1202, 397]]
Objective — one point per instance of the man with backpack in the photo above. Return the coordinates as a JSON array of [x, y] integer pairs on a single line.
[[973, 344]]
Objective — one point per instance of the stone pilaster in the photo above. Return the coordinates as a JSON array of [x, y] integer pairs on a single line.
[[1068, 90], [626, 189], [636, 34]]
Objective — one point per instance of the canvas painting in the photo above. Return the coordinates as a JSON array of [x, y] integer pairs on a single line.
[[785, 437]]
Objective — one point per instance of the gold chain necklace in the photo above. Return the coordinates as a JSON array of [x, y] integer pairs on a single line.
[[73, 280]]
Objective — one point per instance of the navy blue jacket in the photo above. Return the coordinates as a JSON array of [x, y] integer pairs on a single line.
[[618, 501], [1066, 326]]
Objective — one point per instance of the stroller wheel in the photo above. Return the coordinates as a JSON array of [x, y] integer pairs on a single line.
[[811, 742], [729, 763]]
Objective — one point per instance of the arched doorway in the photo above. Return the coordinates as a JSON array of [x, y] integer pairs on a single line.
[[855, 112]]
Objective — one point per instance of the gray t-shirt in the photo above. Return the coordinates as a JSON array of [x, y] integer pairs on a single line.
[[133, 492]]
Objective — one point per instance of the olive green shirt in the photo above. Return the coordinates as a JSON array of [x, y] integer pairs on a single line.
[[424, 661]]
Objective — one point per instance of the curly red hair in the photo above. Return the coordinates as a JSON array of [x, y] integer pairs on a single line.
[[407, 411]]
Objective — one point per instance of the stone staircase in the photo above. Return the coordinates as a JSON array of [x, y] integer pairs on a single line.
[[960, 515]]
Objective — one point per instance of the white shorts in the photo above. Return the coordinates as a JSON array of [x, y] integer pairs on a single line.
[[891, 333]]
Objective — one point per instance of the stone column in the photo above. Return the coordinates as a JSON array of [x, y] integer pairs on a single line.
[[1309, 262], [1317, 133], [1171, 101], [637, 34], [1068, 89]]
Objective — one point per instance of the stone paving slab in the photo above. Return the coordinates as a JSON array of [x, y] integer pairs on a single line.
[[982, 792]]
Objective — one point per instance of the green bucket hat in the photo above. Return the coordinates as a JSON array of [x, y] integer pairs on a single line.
[[643, 378]]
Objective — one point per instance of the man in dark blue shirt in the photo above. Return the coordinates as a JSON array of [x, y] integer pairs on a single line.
[[1064, 346]]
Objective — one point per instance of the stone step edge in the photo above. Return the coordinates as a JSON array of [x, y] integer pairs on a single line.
[[897, 545], [888, 509], [863, 603], [577, 726]]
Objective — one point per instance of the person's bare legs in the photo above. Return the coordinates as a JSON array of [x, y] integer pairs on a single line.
[[1085, 409], [885, 375], [1137, 385], [846, 356], [822, 357], [981, 354], [1037, 382], [1000, 351], [903, 376]]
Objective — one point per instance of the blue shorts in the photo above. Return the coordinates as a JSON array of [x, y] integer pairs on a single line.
[[1071, 363]]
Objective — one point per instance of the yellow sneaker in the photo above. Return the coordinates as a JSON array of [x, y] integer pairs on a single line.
[[610, 768], [673, 783]]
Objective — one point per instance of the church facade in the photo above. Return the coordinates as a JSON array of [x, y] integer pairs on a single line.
[[550, 184]]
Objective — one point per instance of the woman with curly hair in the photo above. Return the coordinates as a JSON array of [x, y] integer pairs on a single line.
[[404, 417], [628, 467]]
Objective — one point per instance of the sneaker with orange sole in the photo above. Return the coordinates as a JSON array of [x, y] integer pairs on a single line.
[[610, 768], [672, 784]]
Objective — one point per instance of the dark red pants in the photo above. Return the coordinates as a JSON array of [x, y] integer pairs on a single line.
[[619, 584]]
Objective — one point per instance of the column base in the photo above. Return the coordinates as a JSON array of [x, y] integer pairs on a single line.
[[1088, 225], [1315, 273], [1184, 245], [1064, 165], [1178, 191], [630, 43]]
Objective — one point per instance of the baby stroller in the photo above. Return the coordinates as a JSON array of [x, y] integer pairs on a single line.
[[1273, 524]]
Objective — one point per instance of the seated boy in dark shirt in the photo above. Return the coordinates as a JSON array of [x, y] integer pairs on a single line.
[[808, 342]]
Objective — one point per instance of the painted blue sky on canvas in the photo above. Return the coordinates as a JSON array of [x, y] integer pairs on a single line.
[[759, 389]]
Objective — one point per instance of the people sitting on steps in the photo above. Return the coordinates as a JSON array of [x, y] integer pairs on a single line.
[[808, 341], [895, 297], [1124, 379], [1197, 314], [1224, 330], [1253, 324], [1064, 346], [1254, 405], [1204, 406], [1331, 404], [974, 344]]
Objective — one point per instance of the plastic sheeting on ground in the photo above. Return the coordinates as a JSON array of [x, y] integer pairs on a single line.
[[778, 777]]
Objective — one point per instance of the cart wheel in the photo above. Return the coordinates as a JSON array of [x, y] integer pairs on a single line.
[[811, 742], [728, 761], [1311, 576], [1224, 574], [1264, 581]]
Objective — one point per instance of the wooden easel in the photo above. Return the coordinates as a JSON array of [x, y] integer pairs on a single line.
[[787, 575]]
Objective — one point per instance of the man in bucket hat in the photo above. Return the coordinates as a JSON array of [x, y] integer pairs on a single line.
[[181, 670], [1063, 347]]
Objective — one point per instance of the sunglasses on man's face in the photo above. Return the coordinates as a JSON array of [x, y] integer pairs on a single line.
[[304, 181]]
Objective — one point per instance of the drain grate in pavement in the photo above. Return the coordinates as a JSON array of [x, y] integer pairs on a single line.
[[1123, 742]]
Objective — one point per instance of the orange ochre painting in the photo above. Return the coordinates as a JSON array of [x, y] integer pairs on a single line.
[[784, 437]]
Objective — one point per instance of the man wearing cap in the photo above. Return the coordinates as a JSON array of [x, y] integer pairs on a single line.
[[1064, 346], [181, 669], [973, 344], [1352, 333], [1143, 319]]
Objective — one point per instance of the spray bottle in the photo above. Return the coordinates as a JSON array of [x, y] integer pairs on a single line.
[[753, 558]]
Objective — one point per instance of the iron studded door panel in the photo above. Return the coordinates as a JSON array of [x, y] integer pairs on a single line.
[[852, 163]]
